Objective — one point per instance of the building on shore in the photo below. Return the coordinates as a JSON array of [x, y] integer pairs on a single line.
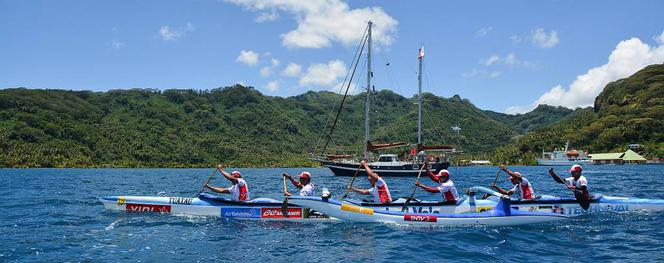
[[617, 158]]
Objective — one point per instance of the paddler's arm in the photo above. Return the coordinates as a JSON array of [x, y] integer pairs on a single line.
[[360, 191], [295, 183], [369, 171], [429, 189], [430, 173], [225, 174], [501, 190], [220, 190], [502, 167]]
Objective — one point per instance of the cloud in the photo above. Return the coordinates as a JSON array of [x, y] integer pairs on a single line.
[[267, 16], [266, 71], [627, 58], [483, 31], [272, 86], [478, 73], [324, 74], [248, 57], [321, 23], [516, 39], [275, 62], [660, 38], [292, 70], [509, 60], [544, 40], [117, 44], [171, 34]]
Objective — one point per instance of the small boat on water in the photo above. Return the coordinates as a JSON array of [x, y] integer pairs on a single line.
[[500, 215], [210, 205], [564, 156]]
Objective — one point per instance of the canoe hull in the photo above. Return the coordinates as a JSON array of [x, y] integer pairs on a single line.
[[209, 206]]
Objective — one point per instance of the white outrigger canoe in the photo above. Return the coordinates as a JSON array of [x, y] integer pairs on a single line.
[[212, 206], [565, 206], [500, 215]]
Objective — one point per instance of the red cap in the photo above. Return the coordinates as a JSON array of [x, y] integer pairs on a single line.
[[305, 175], [576, 168], [236, 174], [444, 172]]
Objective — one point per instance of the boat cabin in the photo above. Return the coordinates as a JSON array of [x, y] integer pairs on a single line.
[[387, 158]]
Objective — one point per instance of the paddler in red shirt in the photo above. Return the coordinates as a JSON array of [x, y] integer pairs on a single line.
[[379, 190], [521, 185], [239, 189], [446, 187]]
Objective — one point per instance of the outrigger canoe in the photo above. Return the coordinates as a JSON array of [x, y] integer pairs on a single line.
[[565, 206], [500, 215], [212, 206]]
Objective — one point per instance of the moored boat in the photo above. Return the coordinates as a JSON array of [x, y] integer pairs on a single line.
[[500, 215], [212, 206]]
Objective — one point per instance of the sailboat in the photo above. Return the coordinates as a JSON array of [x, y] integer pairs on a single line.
[[385, 164]]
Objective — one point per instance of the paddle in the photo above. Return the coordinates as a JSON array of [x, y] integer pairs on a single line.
[[284, 205], [494, 183], [583, 201], [352, 181], [206, 182], [414, 188]]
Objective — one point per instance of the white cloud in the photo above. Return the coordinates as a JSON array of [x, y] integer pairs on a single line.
[[483, 31], [544, 40], [292, 70], [272, 86], [275, 62], [660, 38], [248, 57], [628, 57], [516, 39], [324, 74], [478, 73], [509, 60], [320, 23], [267, 16], [266, 71], [170, 34], [117, 44]]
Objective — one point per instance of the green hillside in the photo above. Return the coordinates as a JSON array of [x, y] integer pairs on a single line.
[[629, 110], [237, 125], [542, 116]]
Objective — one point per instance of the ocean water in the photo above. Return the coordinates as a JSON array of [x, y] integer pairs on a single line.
[[54, 215]]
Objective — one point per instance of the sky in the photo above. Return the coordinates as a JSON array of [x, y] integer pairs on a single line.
[[506, 56]]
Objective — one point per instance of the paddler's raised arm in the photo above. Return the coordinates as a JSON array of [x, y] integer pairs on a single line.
[[502, 167], [295, 183], [430, 173], [369, 171], [225, 174]]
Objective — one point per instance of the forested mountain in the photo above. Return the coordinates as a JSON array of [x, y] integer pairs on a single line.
[[629, 110], [240, 126]]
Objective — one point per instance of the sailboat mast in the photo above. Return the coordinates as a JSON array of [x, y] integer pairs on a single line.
[[419, 99], [366, 103]]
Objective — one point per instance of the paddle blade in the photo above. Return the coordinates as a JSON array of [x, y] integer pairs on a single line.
[[556, 177], [284, 207]]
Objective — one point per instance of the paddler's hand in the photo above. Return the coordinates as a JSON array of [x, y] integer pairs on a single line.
[[551, 172], [286, 175], [417, 183], [363, 163], [220, 167], [571, 187], [494, 186], [502, 167]]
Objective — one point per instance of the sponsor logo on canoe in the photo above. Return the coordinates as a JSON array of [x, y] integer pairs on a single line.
[[121, 200], [241, 212], [148, 208], [276, 213], [420, 218], [180, 200], [418, 209], [575, 209]]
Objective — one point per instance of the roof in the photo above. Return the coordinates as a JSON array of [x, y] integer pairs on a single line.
[[606, 156], [632, 156]]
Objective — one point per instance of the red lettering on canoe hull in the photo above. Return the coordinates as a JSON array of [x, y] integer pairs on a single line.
[[276, 213], [419, 218], [140, 208]]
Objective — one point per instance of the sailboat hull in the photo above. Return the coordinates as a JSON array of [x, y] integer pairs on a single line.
[[348, 169]]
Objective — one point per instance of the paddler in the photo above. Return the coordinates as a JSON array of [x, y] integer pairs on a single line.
[[305, 184], [446, 187], [239, 189], [521, 185], [577, 182], [379, 190]]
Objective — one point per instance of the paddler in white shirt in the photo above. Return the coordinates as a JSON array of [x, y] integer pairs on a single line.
[[378, 190], [239, 189], [578, 182], [521, 185], [446, 188], [305, 184]]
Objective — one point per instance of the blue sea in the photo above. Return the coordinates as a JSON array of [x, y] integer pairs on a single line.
[[54, 215]]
